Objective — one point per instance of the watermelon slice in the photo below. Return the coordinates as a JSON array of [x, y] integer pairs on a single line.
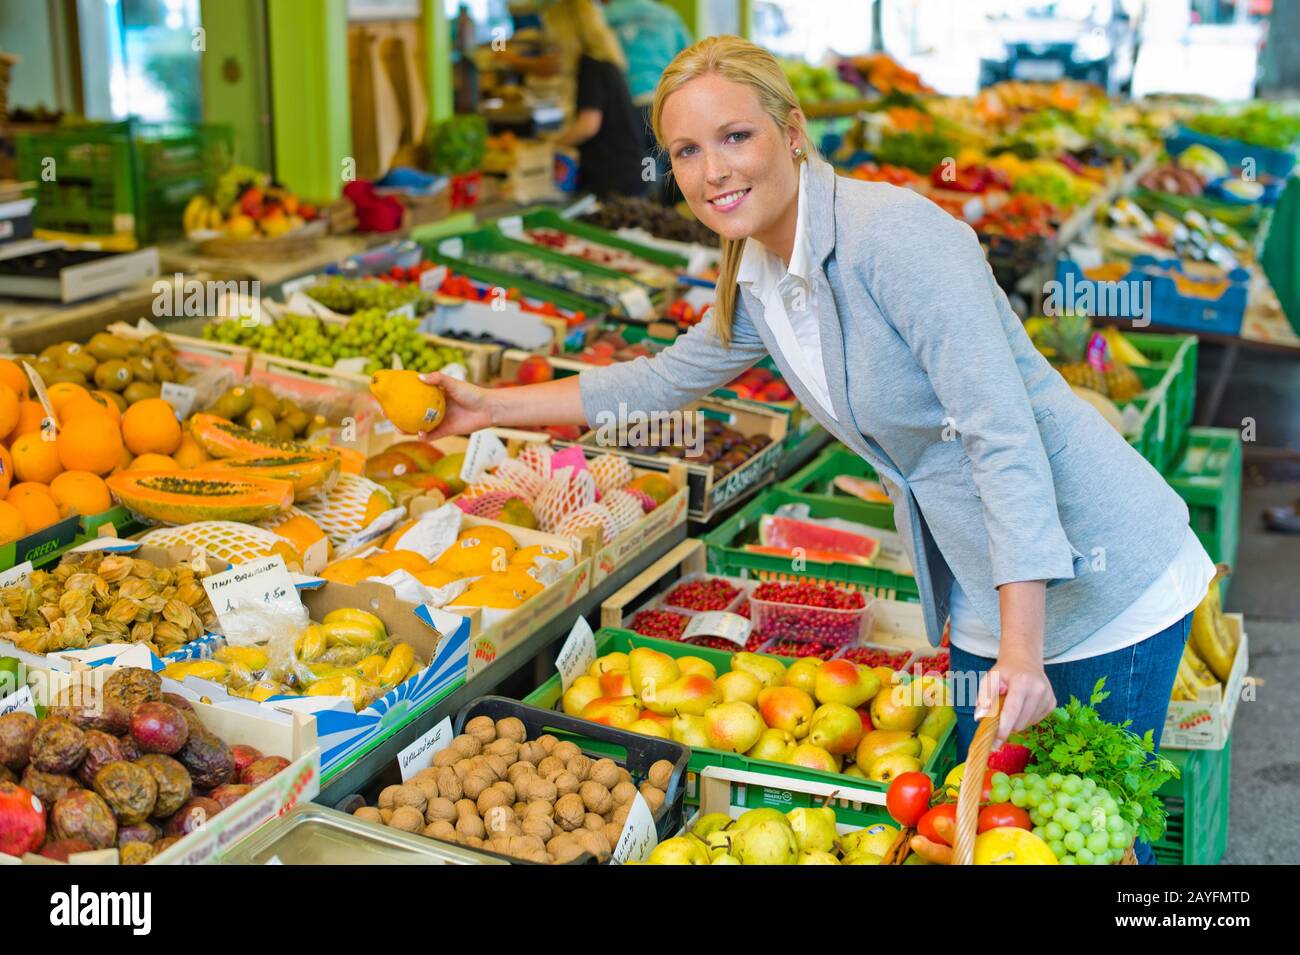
[[861, 488], [788, 533]]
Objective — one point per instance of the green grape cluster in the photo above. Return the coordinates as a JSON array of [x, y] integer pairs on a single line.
[[346, 295], [370, 333], [1081, 823]]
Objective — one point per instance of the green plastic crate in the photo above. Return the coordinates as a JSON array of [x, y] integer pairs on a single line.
[[817, 476], [1208, 478], [612, 640], [1197, 804], [130, 176], [550, 219], [727, 554], [1173, 365]]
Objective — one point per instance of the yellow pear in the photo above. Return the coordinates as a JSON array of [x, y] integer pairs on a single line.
[[692, 664], [581, 692], [610, 661], [737, 685], [408, 402], [651, 671]]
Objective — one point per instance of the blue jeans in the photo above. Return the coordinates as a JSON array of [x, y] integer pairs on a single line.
[[1139, 679]]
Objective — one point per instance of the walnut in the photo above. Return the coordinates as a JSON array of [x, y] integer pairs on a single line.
[[540, 809], [386, 796], [566, 751], [429, 787], [661, 773], [564, 848], [474, 784], [570, 811], [471, 826], [623, 793], [369, 814], [594, 842], [593, 821], [653, 795], [613, 832], [407, 818], [467, 745], [596, 798], [605, 772], [498, 765], [446, 758], [482, 729], [441, 829], [506, 748], [500, 820], [491, 798], [465, 807], [566, 783], [549, 765], [440, 809], [532, 752], [386, 815], [512, 728], [449, 784], [519, 771], [580, 766], [543, 827], [506, 789], [548, 742]]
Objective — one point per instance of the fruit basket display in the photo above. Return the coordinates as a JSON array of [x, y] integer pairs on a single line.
[[121, 771], [758, 712], [249, 217], [536, 786]]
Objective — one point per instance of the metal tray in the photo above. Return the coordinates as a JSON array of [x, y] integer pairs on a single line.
[[316, 835]]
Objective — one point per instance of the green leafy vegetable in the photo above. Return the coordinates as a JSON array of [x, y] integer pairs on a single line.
[[1075, 739]]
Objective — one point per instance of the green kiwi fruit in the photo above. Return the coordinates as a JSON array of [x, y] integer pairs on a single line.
[[113, 375], [297, 420], [106, 347], [233, 403], [81, 361], [139, 391], [65, 374], [260, 419], [265, 397], [284, 431], [143, 369]]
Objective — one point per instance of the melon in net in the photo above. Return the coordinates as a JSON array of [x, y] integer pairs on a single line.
[[611, 471], [566, 492], [537, 457], [590, 515], [226, 540]]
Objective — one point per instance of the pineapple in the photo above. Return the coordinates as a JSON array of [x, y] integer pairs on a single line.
[[1122, 381], [1068, 338]]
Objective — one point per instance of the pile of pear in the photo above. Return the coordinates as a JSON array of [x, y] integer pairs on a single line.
[[803, 836], [836, 716]]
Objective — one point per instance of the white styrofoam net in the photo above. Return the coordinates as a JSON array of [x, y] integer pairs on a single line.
[[340, 512], [610, 471], [226, 540]]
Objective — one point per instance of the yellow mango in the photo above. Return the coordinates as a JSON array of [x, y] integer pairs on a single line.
[[353, 615], [252, 658], [399, 662], [371, 666]]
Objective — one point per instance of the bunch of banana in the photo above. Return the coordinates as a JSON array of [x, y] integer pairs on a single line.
[[201, 215], [1193, 676], [1211, 639]]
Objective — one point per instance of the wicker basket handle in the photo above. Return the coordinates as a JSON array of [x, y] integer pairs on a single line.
[[968, 797]]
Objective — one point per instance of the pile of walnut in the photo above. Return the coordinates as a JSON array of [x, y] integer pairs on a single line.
[[539, 800], [93, 598]]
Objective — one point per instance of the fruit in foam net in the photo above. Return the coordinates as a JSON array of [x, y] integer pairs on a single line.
[[658, 487], [411, 404], [517, 512], [448, 469]]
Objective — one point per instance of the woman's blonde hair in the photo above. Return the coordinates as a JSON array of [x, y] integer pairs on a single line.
[[740, 61], [578, 27]]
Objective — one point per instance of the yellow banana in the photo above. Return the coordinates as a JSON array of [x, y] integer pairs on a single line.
[[1122, 349], [351, 633], [342, 655], [358, 691], [207, 670], [325, 671], [1201, 676], [195, 216], [1182, 687], [371, 666], [356, 616], [399, 662], [263, 690], [1210, 638], [311, 644], [253, 658]]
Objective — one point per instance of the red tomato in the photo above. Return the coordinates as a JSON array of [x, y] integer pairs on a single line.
[[925, 826], [1003, 814], [908, 797]]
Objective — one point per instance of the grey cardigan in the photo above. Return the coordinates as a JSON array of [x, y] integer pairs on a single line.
[[996, 470]]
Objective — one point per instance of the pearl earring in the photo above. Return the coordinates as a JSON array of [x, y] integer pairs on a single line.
[[798, 152]]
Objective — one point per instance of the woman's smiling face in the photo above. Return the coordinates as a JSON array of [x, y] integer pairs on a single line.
[[732, 162]]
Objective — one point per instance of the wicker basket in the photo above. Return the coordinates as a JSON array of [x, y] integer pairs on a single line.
[[968, 802]]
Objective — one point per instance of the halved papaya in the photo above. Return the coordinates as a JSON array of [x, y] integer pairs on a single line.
[[310, 474], [177, 497], [225, 439]]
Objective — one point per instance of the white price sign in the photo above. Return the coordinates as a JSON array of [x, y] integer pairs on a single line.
[[484, 452], [431, 279], [637, 303], [719, 623], [22, 700], [578, 653], [263, 583], [639, 836], [419, 755], [513, 226], [180, 397], [17, 575]]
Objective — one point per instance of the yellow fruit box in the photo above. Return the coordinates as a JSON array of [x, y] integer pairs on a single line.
[[274, 732], [1206, 723]]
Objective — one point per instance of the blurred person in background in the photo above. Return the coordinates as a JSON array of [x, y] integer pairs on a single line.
[[652, 33]]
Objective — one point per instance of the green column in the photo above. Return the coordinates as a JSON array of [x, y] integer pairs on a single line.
[[234, 76], [747, 19], [690, 14], [437, 58], [311, 108]]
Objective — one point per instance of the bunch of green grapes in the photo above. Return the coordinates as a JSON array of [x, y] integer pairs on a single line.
[[347, 295], [370, 333], [1081, 823]]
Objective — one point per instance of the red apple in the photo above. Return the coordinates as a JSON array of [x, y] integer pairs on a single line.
[[534, 369]]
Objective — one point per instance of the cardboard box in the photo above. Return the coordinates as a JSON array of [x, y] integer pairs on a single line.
[[1206, 723], [274, 732], [441, 642], [106, 654]]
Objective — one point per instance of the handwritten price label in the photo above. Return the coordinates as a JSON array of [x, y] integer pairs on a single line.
[[261, 583], [639, 836], [719, 623], [419, 755], [578, 653]]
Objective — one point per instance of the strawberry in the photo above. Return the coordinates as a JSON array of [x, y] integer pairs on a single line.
[[1009, 758]]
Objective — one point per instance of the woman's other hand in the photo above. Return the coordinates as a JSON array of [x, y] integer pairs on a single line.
[[468, 406], [1027, 694]]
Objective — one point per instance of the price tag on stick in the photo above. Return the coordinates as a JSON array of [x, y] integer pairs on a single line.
[[419, 755], [263, 585], [578, 653]]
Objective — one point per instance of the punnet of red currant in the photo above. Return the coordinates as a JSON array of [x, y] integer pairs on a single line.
[[703, 594], [806, 612]]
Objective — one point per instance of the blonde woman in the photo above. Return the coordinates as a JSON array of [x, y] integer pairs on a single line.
[[1061, 555]]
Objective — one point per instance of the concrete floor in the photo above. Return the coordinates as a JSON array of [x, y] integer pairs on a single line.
[[1265, 781]]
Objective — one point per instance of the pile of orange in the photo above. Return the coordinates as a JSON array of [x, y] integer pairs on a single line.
[[48, 474]]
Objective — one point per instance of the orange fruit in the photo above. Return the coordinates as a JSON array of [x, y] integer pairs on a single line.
[[38, 510], [30, 416], [408, 560], [6, 470], [350, 571], [436, 578], [190, 453], [302, 532], [80, 492], [376, 505], [8, 410], [88, 443], [35, 459], [79, 407], [150, 426], [12, 374], [390, 543], [62, 392], [12, 525], [152, 462], [354, 462]]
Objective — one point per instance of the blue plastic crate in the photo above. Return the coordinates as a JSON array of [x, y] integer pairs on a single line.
[[1167, 306], [1275, 162]]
